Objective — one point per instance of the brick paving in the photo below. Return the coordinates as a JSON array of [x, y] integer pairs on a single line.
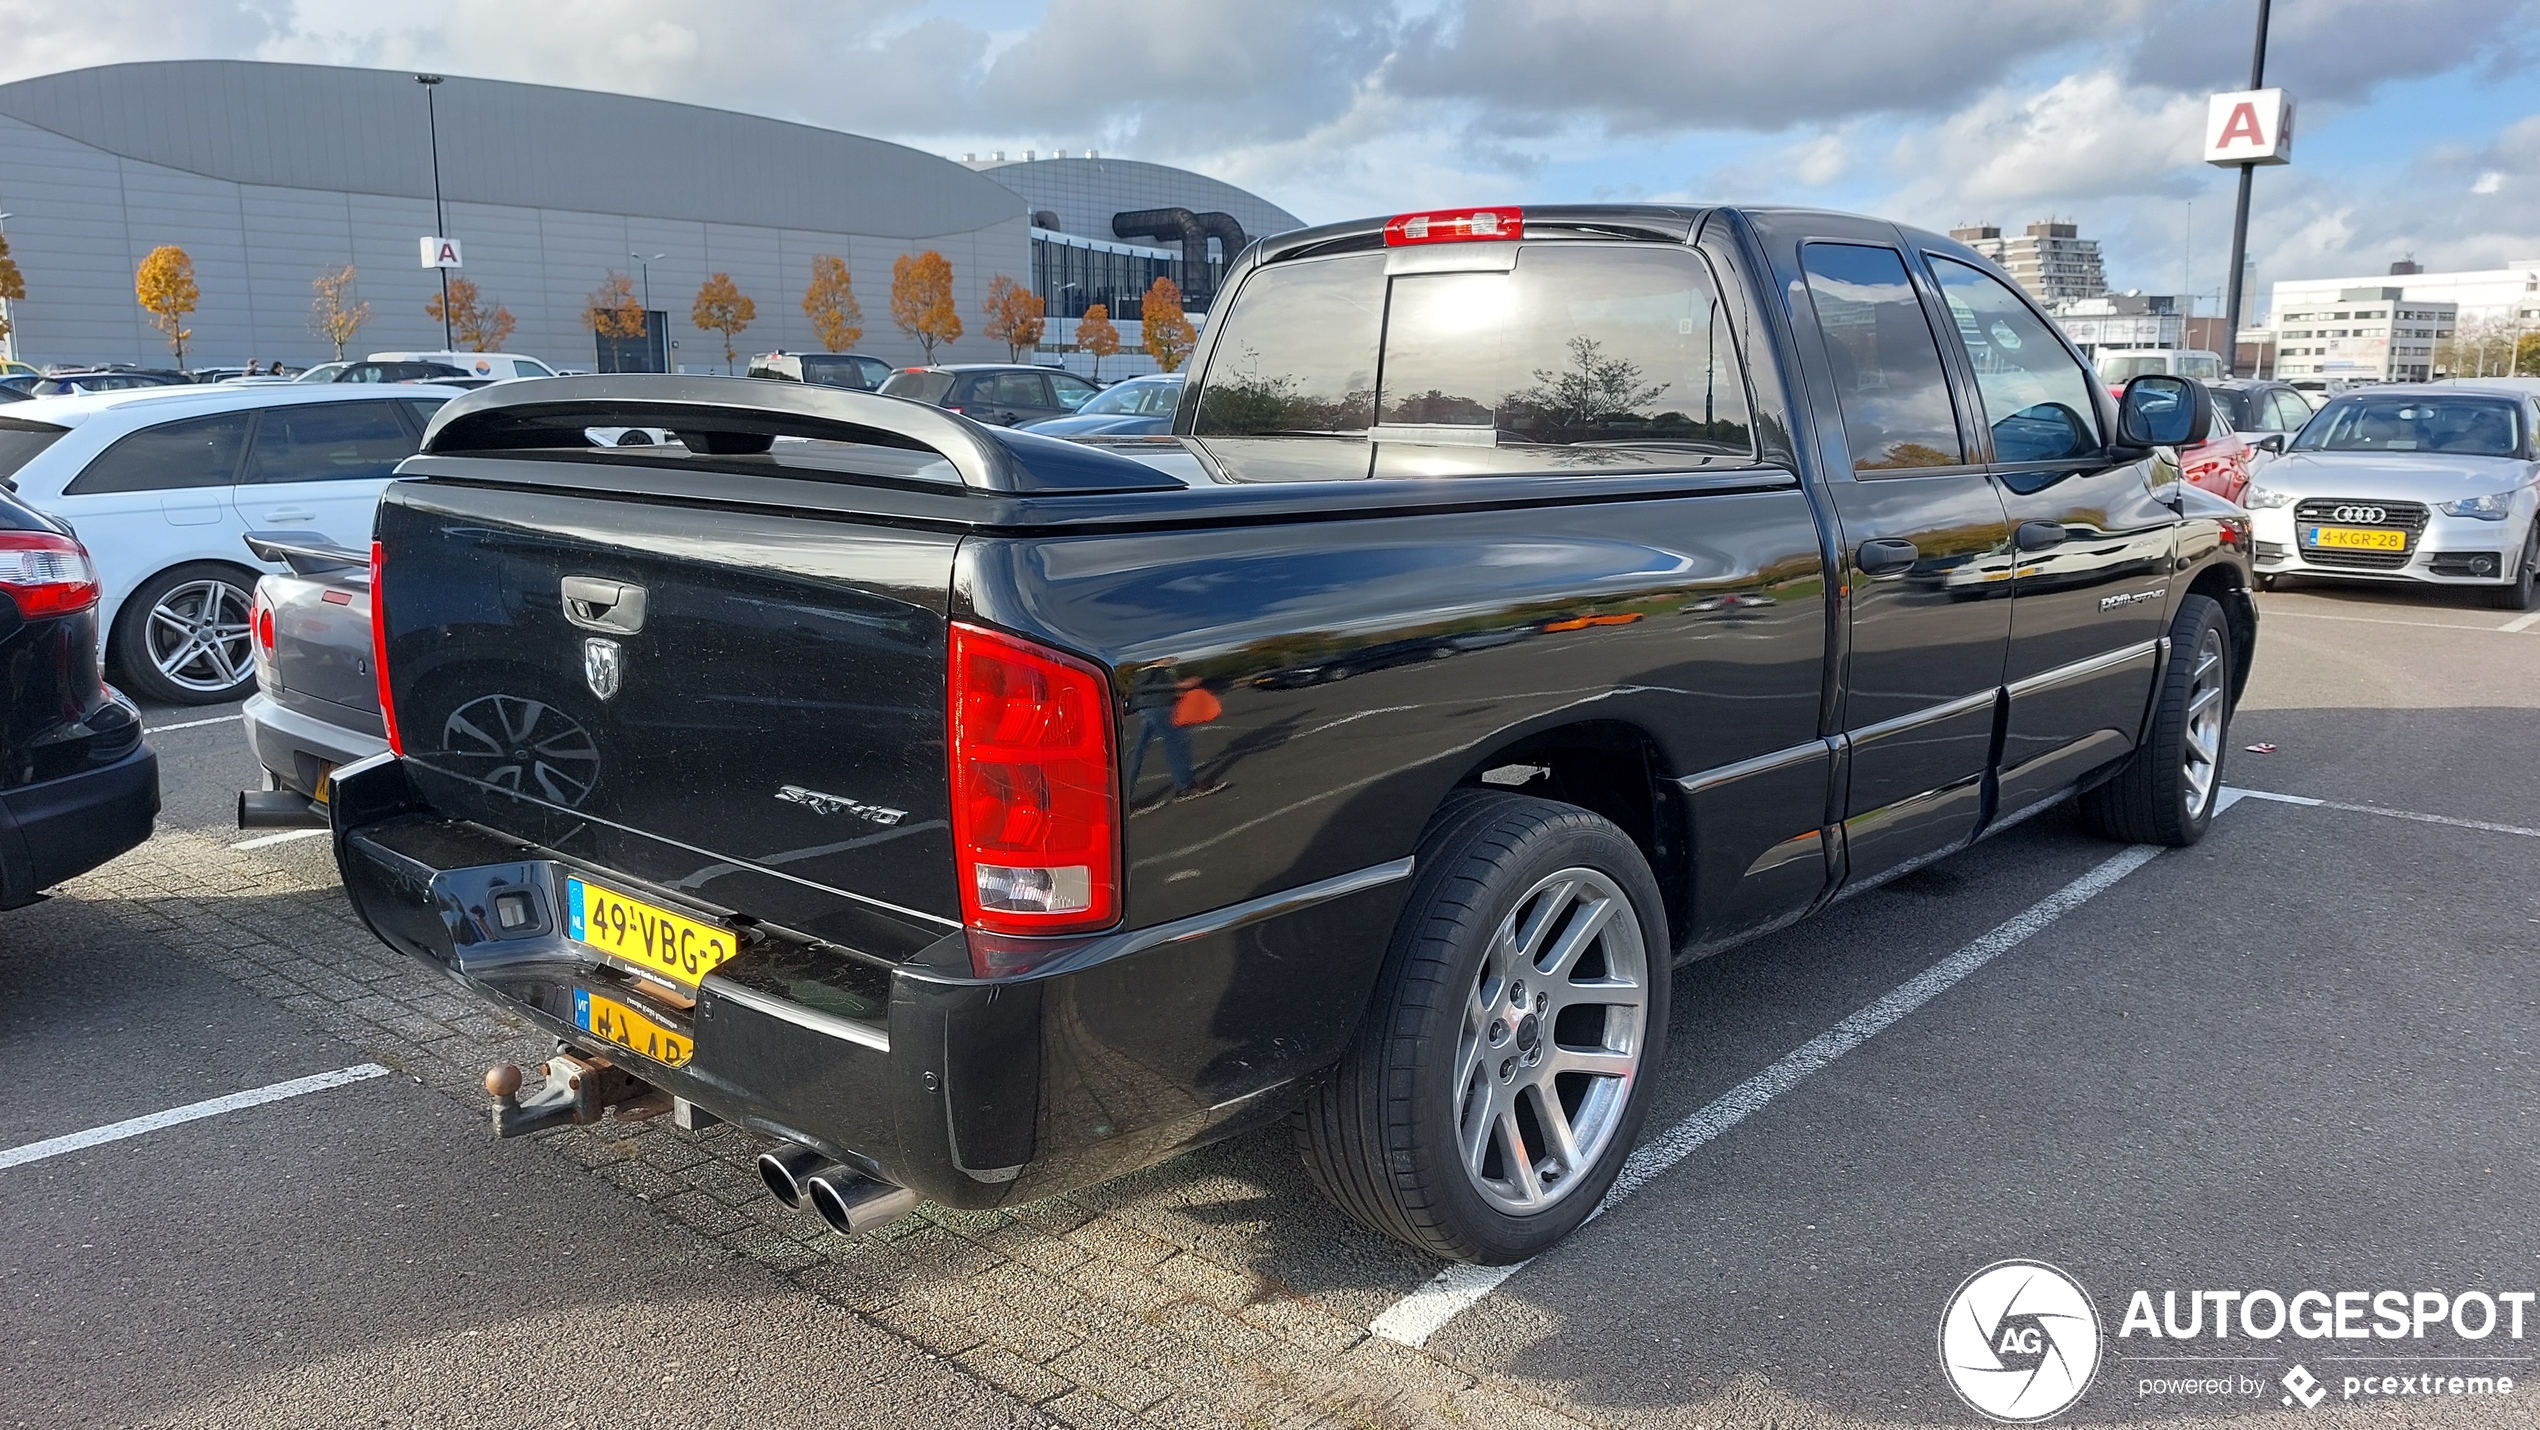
[[1216, 1289]]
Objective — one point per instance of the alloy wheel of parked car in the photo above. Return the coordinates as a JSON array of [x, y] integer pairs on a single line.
[[524, 745], [1502, 1071], [187, 636], [2167, 792], [1551, 1041]]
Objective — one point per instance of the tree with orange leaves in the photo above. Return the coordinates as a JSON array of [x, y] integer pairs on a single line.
[[830, 304], [1169, 335], [723, 308], [1016, 316], [611, 310], [480, 328], [164, 284], [1096, 335], [922, 300]]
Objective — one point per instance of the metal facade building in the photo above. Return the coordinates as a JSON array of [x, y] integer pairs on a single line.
[[270, 174]]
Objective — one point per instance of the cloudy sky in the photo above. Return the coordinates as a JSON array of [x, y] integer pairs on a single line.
[[2419, 125]]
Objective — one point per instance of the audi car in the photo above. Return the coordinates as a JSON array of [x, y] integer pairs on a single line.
[[2435, 485]]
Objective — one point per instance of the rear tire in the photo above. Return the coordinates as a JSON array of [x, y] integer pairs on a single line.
[[1503, 1070], [184, 638], [2166, 793], [2515, 595]]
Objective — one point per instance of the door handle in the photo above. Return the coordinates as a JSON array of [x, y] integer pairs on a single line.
[[2040, 535], [291, 513], [599, 605], [1886, 556]]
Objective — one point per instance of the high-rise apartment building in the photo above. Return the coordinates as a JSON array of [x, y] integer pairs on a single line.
[[2051, 260]]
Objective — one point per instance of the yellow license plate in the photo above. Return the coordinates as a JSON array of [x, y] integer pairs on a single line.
[[605, 1017], [679, 948], [326, 782], [2356, 538]]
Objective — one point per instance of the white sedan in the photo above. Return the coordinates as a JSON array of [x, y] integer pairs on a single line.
[[2437, 485], [161, 484]]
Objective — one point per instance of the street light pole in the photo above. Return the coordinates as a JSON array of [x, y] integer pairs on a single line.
[[646, 264], [2240, 211], [440, 221]]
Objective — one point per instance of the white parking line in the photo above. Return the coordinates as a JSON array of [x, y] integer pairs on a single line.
[[191, 724], [2234, 794], [2274, 615], [190, 1112], [1420, 1315], [2521, 623], [284, 837]]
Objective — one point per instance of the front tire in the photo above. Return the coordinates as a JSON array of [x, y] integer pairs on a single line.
[[2167, 792], [1502, 1073], [184, 637], [2515, 595]]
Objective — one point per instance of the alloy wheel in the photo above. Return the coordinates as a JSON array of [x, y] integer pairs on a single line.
[[1552, 1040], [526, 746], [2201, 752], [200, 638]]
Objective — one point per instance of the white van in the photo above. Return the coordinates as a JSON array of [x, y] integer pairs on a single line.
[[2118, 366], [493, 365]]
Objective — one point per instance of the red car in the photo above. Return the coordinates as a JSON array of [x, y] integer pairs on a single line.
[[2220, 463]]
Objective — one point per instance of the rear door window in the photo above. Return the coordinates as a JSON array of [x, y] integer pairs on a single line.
[[2290, 411], [1299, 352], [197, 452], [331, 441], [1882, 357], [2037, 396], [1021, 389]]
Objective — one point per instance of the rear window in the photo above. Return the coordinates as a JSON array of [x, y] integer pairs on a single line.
[[1575, 345], [21, 440], [2119, 370], [198, 452], [1299, 354], [918, 386], [836, 372]]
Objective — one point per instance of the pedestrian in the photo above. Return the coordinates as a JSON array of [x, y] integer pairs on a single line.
[[1167, 708]]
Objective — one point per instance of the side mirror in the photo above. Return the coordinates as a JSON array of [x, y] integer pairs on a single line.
[[2158, 410], [2272, 443]]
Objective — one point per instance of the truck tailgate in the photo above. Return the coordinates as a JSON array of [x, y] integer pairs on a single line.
[[742, 707]]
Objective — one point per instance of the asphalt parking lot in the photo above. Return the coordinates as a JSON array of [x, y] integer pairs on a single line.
[[2300, 1055]]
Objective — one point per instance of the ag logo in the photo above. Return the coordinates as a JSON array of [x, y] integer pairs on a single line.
[[2019, 1341]]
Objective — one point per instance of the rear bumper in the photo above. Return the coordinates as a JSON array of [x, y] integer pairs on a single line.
[[294, 746], [971, 1093], [65, 827]]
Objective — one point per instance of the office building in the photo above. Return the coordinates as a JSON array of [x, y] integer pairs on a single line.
[[2371, 333], [2050, 259]]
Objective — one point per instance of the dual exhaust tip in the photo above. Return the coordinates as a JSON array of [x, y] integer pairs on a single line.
[[848, 1200]]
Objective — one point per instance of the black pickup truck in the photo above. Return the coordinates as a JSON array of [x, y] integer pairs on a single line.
[[1526, 602]]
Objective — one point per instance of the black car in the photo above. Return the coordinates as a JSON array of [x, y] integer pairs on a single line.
[[77, 786], [997, 393], [987, 814], [2257, 407], [854, 371]]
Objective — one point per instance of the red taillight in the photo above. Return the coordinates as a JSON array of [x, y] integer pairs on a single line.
[[46, 573], [1456, 226], [379, 649], [1035, 788], [264, 624]]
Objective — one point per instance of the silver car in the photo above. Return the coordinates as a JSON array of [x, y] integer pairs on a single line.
[[2432, 484], [316, 704]]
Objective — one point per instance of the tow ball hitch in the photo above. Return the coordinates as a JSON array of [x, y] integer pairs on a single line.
[[579, 1090]]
